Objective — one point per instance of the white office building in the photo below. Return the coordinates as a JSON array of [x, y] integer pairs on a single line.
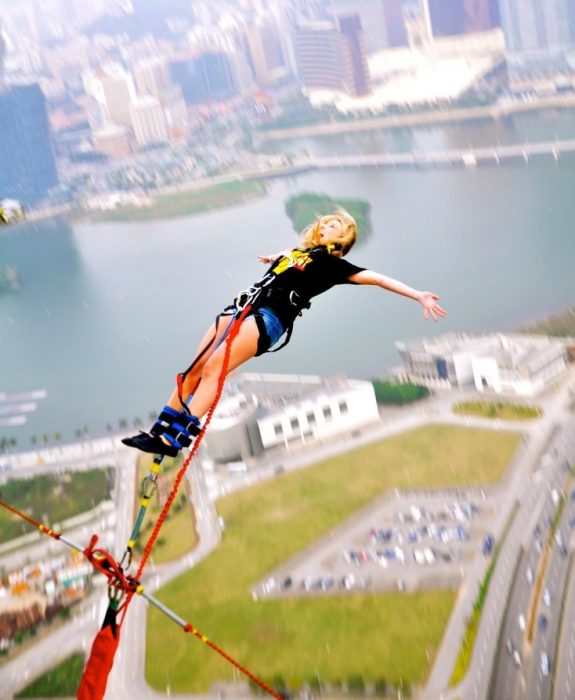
[[149, 119], [259, 412], [516, 364]]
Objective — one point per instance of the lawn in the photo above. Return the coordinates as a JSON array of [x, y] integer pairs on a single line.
[[386, 635], [51, 498], [186, 203], [60, 682], [178, 534], [497, 409]]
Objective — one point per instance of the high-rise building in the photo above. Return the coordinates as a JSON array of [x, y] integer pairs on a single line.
[[27, 166], [332, 57], [453, 17], [113, 90], [209, 77], [266, 53], [354, 51], [539, 36], [394, 23], [149, 120], [2, 56], [152, 77]]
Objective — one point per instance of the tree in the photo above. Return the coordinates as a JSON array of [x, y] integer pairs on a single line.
[[356, 685], [380, 687]]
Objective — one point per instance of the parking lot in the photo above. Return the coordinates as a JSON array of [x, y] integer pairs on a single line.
[[406, 541]]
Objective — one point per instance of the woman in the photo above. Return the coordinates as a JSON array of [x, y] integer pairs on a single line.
[[295, 276]]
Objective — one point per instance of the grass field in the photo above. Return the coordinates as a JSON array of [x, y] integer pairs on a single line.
[[51, 498], [178, 534], [60, 682], [497, 409], [386, 635], [186, 203]]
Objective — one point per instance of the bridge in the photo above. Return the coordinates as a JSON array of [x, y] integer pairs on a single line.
[[468, 157]]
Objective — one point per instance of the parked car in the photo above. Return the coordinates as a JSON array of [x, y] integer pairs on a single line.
[[542, 623], [488, 543], [544, 664], [521, 621], [547, 597]]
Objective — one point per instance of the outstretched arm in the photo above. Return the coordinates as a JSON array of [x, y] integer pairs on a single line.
[[427, 299], [267, 259]]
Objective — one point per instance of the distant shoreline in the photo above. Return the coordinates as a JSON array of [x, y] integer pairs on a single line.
[[560, 324], [398, 121]]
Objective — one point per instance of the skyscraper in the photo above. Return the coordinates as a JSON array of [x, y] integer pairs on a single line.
[[150, 125], [354, 52], [452, 17], [394, 23], [209, 77], [331, 56], [2, 55], [152, 77], [27, 166], [266, 53], [539, 36]]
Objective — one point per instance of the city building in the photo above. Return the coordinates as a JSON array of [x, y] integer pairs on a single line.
[[2, 57], [207, 78], [27, 165], [539, 36], [112, 140], [394, 23], [453, 17], [259, 412], [113, 90], [266, 53], [521, 365], [332, 56], [149, 120], [354, 49], [152, 77]]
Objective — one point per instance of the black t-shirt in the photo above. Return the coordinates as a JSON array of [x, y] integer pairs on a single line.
[[307, 273]]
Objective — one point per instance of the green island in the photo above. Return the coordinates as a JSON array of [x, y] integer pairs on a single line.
[[62, 496], [59, 682], [561, 324], [497, 409], [302, 209], [389, 637], [186, 203], [178, 535]]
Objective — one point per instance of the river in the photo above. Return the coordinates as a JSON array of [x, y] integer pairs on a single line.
[[108, 313]]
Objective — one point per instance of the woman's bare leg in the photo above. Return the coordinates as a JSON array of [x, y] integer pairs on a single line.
[[244, 347], [209, 341]]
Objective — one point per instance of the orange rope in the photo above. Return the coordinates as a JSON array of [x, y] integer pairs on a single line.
[[104, 563], [232, 333], [227, 657], [43, 528]]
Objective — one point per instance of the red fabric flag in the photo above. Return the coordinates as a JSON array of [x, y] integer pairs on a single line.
[[97, 670]]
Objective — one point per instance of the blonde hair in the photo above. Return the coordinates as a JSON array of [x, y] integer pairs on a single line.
[[346, 239]]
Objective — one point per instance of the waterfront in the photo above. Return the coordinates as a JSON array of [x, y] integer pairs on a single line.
[[108, 313]]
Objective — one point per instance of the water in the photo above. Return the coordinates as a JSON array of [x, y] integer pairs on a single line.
[[109, 313]]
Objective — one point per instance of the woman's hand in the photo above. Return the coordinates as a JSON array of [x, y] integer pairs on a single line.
[[430, 306], [268, 259]]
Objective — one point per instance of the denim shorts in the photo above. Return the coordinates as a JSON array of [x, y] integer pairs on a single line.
[[270, 328]]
